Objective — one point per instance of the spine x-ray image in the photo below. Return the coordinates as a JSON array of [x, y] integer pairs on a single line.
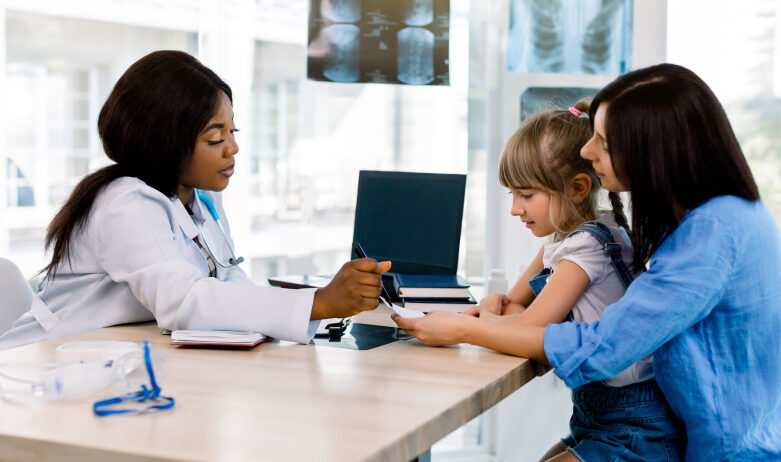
[[570, 36], [379, 41]]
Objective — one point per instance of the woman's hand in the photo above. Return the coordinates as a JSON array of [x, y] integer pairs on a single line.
[[355, 288], [438, 328], [444, 328]]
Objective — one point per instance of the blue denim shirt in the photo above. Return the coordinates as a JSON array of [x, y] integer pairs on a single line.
[[709, 309]]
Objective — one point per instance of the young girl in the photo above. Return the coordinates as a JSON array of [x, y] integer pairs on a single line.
[[139, 239], [582, 269], [709, 306]]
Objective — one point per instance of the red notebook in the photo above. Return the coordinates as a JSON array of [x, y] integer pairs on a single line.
[[217, 338]]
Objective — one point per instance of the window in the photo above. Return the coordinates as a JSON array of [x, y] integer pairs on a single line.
[[302, 142], [58, 71], [742, 68]]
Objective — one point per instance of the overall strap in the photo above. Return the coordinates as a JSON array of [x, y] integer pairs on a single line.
[[612, 248]]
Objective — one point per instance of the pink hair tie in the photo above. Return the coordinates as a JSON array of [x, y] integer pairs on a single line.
[[576, 112]]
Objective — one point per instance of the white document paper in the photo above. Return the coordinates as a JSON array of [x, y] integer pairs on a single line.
[[403, 312]]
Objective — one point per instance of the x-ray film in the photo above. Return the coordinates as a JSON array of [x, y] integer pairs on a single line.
[[570, 36], [379, 41]]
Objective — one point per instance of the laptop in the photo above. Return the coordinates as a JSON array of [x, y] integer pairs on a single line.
[[412, 219]]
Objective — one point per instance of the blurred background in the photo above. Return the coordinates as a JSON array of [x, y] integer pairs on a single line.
[[303, 142]]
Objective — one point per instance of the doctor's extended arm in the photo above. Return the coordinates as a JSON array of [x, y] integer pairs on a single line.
[[354, 288], [139, 243], [687, 277]]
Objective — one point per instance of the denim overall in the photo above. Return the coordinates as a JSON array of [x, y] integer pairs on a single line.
[[629, 423], [612, 249]]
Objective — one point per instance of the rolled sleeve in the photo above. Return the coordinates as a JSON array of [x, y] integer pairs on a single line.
[[567, 346], [687, 277]]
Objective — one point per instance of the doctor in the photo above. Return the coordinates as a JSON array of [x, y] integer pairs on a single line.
[[135, 242]]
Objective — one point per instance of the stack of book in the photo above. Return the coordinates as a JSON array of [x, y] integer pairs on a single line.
[[433, 292]]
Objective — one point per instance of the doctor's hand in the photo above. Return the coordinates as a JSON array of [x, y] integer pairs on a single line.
[[355, 288]]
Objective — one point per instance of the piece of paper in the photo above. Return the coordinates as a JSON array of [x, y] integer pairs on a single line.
[[401, 311]]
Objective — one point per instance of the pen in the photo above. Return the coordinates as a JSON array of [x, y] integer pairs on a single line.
[[362, 254]]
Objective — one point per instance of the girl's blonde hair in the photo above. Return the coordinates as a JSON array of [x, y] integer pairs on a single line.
[[544, 154]]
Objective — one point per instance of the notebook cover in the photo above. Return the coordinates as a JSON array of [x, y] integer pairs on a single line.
[[199, 343], [439, 281], [441, 304], [206, 337], [430, 285], [465, 301], [302, 281]]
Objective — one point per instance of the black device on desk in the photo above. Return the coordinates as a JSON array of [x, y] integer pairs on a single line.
[[411, 219]]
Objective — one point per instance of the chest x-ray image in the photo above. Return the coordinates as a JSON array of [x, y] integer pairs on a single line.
[[379, 41], [570, 36]]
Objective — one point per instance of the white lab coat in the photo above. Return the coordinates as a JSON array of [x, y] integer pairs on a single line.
[[135, 260]]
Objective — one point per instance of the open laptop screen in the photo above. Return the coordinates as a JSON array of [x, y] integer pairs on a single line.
[[412, 219]]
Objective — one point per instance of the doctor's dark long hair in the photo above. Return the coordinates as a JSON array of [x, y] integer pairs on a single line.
[[148, 126], [671, 144]]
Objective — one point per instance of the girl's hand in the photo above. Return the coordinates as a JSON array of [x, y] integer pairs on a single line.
[[474, 311], [490, 316], [485, 315], [438, 328], [493, 304], [513, 308]]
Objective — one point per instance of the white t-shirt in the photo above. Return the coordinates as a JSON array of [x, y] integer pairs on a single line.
[[605, 286]]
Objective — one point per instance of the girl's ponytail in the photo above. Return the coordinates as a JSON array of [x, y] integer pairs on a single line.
[[618, 211]]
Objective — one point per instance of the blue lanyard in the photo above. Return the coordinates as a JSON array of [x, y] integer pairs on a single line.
[[140, 396]]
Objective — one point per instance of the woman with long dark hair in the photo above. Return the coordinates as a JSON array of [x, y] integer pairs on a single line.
[[147, 238], [709, 305]]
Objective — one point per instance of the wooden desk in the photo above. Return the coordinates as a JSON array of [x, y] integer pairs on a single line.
[[278, 401]]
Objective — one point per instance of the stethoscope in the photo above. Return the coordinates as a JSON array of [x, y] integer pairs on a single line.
[[232, 261]]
